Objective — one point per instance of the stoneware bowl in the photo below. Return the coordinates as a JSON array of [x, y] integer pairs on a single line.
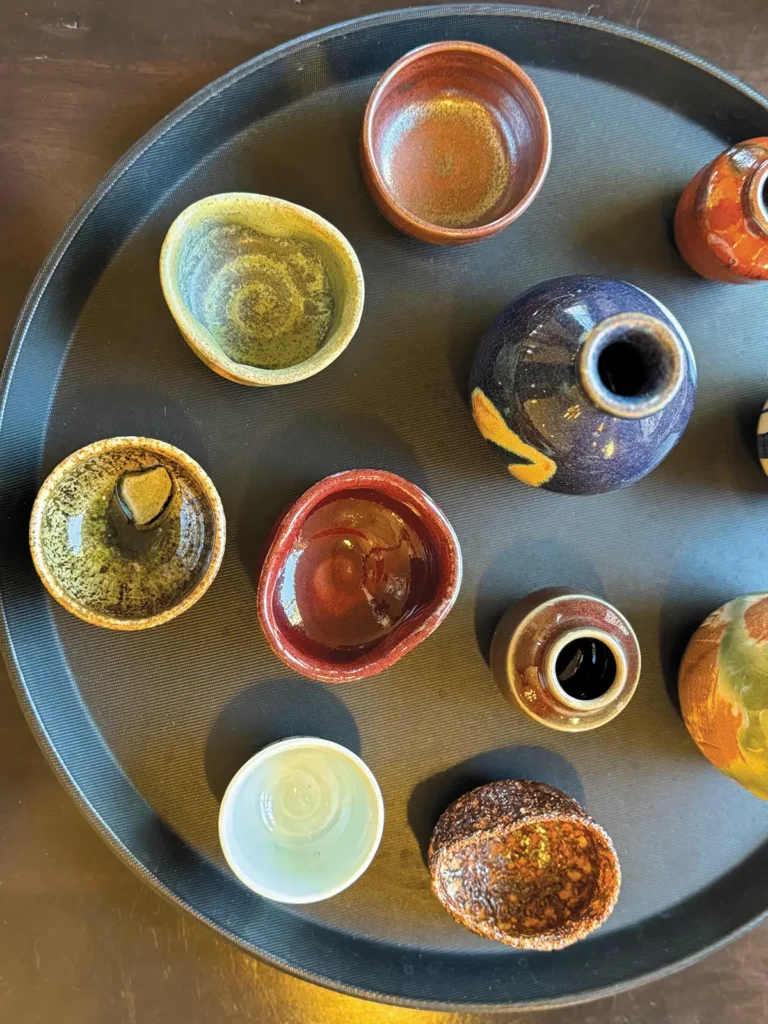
[[522, 863], [264, 291], [301, 820], [456, 143], [127, 533], [569, 660], [723, 685], [359, 571]]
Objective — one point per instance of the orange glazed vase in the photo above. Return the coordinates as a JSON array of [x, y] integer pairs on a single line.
[[721, 223]]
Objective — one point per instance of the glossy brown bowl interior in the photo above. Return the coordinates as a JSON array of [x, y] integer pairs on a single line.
[[456, 142], [360, 570]]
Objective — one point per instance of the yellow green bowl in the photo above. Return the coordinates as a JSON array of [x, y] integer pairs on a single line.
[[264, 292], [108, 573]]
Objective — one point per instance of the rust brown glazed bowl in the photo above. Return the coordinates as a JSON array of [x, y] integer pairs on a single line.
[[521, 863], [456, 143], [361, 569]]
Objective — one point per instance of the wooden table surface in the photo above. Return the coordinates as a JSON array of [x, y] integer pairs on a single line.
[[82, 941]]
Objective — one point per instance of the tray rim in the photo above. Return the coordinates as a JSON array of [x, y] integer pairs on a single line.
[[36, 292]]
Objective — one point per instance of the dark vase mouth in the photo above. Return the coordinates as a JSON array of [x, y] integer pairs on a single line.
[[585, 669], [757, 197], [631, 365]]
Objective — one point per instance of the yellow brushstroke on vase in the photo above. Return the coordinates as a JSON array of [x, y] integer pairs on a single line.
[[491, 425], [609, 449]]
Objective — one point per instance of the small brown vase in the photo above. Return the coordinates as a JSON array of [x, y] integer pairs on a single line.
[[522, 863], [569, 660], [721, 223]]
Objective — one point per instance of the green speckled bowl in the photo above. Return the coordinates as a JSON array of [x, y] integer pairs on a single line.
[[264, 292], [79, 556]]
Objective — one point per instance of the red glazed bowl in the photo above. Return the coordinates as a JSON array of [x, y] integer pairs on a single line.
[[361, 569], [456, 143]]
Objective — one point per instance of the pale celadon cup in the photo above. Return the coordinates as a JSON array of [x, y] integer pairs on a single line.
[[301, 820]]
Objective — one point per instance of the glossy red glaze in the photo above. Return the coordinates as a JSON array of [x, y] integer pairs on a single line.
[[364, 556], [456, 143], [721, 222]]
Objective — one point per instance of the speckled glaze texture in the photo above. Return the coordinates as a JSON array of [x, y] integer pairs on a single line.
[[539, 394], [433, 589], [456, 143], [526, 645], [724, 690], [264, 292], [521, 863], [721, 222], [101, 572]]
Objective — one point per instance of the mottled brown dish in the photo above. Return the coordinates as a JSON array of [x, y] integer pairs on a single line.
[[456, 143], [522, 863], [122, 575]]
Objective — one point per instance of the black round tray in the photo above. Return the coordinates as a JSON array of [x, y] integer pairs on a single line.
[[146, 729]]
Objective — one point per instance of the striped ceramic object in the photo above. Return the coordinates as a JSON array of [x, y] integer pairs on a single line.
[[762, 438], [724, 690]]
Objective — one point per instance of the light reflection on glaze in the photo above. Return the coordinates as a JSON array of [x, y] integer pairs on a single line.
[[84, 553], [347, 581]]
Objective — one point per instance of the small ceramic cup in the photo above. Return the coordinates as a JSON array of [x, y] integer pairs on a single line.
[[127, 533], [571, 661], [359, 571], [301, 820], [456, 143], [521, 863], [264, 292]]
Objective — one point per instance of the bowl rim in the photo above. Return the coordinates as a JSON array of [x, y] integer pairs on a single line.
[[199, 338], [369, 664], [84, 454], [424, 227], [245, 771]]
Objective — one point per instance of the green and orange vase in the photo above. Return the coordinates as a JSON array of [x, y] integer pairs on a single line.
[[723, 686]]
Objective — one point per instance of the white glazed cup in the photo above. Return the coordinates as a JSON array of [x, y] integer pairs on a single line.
[[250, 860]]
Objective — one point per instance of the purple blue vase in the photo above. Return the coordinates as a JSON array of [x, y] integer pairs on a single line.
[[583, 384]]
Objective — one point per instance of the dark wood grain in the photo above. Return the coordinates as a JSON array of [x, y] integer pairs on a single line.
[[81, 940]]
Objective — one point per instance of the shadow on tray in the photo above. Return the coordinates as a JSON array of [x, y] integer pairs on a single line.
[[273, 710], [431, 797]]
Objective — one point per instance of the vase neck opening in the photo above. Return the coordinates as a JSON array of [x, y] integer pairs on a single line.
[[757, 198], [584, 669], [631, 365]]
